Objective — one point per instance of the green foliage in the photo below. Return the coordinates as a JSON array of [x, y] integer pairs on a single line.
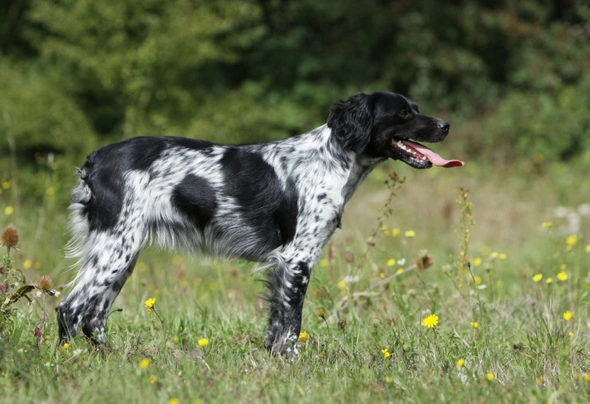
[[541, 126]]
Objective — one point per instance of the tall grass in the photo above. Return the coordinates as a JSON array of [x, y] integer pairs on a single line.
[[446, 286]]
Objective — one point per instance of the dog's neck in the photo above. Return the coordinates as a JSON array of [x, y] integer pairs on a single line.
[[359, 166]]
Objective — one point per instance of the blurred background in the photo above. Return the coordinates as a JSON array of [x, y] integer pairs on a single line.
[[512, 77]]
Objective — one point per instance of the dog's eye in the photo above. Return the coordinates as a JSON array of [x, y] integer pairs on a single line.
[[404, 114]]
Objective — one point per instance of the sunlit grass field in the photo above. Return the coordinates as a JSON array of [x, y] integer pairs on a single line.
[[459, 285]]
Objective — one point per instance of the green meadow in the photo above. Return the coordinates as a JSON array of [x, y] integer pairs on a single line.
[[462, 285], [466, 285]]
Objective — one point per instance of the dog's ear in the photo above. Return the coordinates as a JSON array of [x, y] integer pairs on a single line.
[[351, 122]]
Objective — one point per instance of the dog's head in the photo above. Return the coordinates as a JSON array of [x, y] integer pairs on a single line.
[[384, 125]]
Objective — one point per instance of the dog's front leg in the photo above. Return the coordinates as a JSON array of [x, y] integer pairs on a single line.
[[287, 286]]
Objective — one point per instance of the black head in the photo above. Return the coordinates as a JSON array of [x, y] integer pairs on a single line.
[[382, 125]]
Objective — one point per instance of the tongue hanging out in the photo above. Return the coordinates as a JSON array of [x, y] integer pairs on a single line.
[[432, 156]]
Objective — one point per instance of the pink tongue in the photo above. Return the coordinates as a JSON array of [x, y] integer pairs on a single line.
[[432, 156]]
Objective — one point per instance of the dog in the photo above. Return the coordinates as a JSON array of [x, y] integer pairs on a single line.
[[275, 203]]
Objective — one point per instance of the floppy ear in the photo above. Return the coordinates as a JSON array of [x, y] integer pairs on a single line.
[[351, 122]]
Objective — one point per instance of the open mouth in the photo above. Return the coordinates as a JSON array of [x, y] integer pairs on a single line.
[[420, 156]]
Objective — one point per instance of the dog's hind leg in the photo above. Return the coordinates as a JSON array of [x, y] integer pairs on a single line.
[[108, 261]]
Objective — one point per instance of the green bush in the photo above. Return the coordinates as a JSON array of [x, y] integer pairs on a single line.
[[541, 126]]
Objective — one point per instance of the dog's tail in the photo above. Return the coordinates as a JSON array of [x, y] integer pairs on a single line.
[[79, 225]]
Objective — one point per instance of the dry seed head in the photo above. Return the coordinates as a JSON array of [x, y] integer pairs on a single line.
[[44, 284], [424, 260], [9, 237]]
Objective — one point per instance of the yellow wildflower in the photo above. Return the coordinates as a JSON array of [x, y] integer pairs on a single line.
[[342, 284], [152, 379], [537, 277], [476, 262], [562, 276], [461, 363], [567, 316], [477, 280], [150, 303], [502, 256], [572, 239], [173, 401], [394, 232], [546, 225], [474, 324], [6, 184], [66, 345], [430, 321], [490, 376], [320, 313], [587, 377], [410, 234], [144, 363], [588, 248], [9, 210], [549, 281], [323, 263], [385, 353], [303, 336], [203, 342], [390, 262]]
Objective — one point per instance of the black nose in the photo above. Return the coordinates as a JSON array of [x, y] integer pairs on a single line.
[[444, 126]]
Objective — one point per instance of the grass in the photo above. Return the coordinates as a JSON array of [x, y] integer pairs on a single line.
[[503, 331]]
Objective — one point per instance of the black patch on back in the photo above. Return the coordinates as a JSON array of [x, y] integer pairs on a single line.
[[105, 169], [268, 209], [195, 198]]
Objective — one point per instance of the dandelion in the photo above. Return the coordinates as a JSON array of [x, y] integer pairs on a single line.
[[490, 376], [389, 379], [144, 363], [410, 234], [460, 363], [390, 262], [303, 336], [537, 277], [547, 225], [567, 316], [394, 232], [399, 271], [502, 256], [173, 401], [9, 210], [477, 280], [588, 248], [562, 276], [430, 321], [474, 324], [587, 377], [66, 345], [203, 342], [385, 353], [570, 334], [150, 304], [323, 263], [321, 313], [342, 285], [549, 281], [570, 242], [476, 262]]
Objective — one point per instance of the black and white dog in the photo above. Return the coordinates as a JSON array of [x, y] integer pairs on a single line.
[[276, 203]]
